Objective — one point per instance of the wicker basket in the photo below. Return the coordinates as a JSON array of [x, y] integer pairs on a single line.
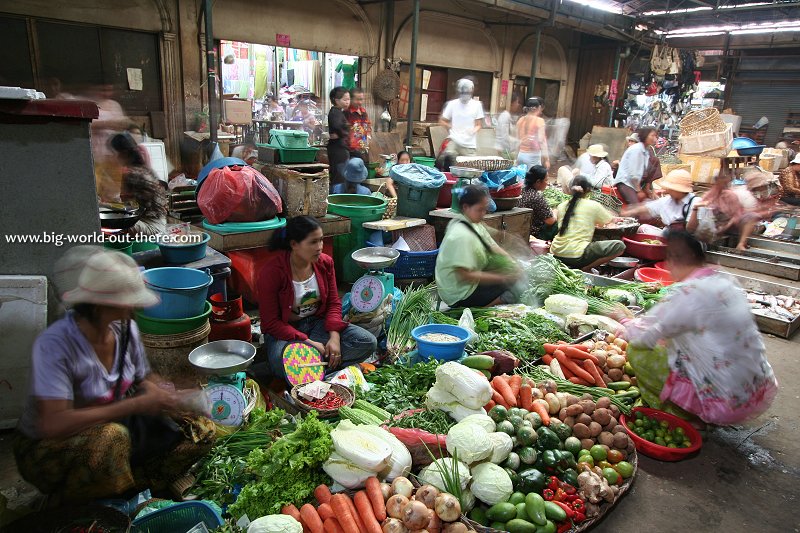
[[612, 203], [169, 354], [703, 143], [702, 121], [586, 524], [303, 193], [339, 390], [488, 165]]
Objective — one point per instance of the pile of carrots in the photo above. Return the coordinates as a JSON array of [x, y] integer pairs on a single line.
[[516, 391], [338, 513], [578, 365]]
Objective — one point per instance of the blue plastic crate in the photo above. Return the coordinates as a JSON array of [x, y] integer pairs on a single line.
[[178, 518], [413, 265]]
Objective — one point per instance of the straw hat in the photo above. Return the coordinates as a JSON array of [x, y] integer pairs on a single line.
[[632, 138], [796, 160], [596, 150], [107, 278], [677, 180]]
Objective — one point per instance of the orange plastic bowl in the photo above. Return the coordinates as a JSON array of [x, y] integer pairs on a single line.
[[650, 275], [661, 265], [656, 451]]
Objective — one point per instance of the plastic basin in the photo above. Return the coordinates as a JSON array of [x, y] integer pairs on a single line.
[[514, 191], [650, 275], [182, 291], [171, 326], [656, 451], [446, 192], [359, 209], [642, 250], [427, 161], [179, 254], [442, 351], [661, 265]]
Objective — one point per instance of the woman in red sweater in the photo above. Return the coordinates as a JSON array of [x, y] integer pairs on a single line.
[[299, 302]]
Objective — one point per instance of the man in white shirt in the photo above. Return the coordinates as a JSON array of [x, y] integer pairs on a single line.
[[672, 208], [505, 139], [463, 117], [594, 166]]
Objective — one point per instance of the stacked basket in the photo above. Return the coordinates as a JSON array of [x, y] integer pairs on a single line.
[[704, 133]]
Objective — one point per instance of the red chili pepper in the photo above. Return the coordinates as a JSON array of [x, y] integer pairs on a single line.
[[578, 505], [564, 526], [579, 517], [567, 509], [548, 494], [569, 489], [569, 498]]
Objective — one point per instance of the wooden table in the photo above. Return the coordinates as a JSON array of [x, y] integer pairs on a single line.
[[332, 225], [395, 223], [512, 228]]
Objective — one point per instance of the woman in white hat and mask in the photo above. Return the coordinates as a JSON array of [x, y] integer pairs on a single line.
[[672, 209], [96, 423]]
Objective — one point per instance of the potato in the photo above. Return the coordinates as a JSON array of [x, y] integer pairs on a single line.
[[614, 411], [600, 345], [601, 359], [616, 361], [574, 410], [570, 421], [611, 338], [586, 444], [607, 379], [562, 414], [537, 394], [620, 441], [634, 381], [615, 374], [587, 396], [552, 401], [631, 446], [611, 425], [584, 419], [572, 400], [626, 377], [587, 406], [619, 428], [602, 416], [554, 421], [606, 438], [595, 429], [581, 431], [603, 402]]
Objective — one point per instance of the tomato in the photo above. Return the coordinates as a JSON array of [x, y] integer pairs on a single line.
[[614, 456], [611, 476], [624, 468], [598, 452]]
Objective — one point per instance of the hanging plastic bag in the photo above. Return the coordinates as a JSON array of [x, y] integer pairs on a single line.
[[237, 193], [467, 321]]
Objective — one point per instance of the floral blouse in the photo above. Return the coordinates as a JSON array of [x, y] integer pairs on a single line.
[[533, 199]]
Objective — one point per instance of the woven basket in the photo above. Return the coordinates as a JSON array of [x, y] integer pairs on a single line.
[[702, 121], [586, 524], [488, 165], [612, 203], [419, 238], [168, 355], [340, 390]]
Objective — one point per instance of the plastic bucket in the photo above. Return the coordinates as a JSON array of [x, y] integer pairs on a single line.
[[415, 203], [427, 161], [175, 326], [182, 291], [441, 351], [445, 197], [359, 209], [179, 254], [126, 247]]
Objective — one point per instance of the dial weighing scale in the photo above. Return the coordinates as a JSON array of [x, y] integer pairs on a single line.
[[465, 176], [370, 290], [225, 361]]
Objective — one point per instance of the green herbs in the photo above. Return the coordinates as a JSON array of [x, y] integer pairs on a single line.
[[523, 337], [288, 471], [554, 197], [413, 310], [436, 422], [398, 387]]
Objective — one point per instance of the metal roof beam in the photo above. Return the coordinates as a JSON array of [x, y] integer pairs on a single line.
[[726, 10]]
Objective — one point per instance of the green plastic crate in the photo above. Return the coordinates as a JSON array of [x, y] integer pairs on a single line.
[[295, 155], [289, 138]]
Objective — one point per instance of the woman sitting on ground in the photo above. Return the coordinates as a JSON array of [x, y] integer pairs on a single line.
[[699, 348], [355, 174], [95, 425], [471, 269], [299, 302], [543, 222], [577, 219]]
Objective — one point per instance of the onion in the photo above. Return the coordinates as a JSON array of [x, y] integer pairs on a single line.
[[455, 527], [416, 515], [427, 494], [393, 525], [386, 490], [402, 486], [395, 506], [447, 507], [435, 524]]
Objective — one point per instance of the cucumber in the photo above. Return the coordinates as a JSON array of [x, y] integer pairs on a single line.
[[486, 373], [632, 392], [502, 512], [554, 512], [478, 514], [520, 526], [618, 385], [374, 410], [358, 416], [478, 362]]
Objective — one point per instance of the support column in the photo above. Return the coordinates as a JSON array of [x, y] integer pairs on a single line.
[[412, 93], [171, 93]]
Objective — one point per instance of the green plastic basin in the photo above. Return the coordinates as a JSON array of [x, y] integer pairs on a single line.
[[171, 326]]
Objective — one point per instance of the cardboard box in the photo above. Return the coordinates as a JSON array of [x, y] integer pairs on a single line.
[[238, 111], [704, 169]]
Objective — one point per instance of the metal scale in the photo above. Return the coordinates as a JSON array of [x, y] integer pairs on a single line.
[[370, 290], [225, 361]]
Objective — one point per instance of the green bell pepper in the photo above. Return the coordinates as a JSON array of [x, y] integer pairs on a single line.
[[546, 439], [532, 480]]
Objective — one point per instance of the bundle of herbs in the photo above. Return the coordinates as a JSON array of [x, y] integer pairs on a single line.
[[436, 422], [524, 337], [398, 388], [414, 309]]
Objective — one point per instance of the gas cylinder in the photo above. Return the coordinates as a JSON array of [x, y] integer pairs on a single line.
[[236, 329]]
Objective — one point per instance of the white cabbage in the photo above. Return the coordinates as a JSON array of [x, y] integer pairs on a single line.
[[467, 501], [275, 523], [491, 484], [484, 421], [471, 441], [471, 389], [564, 304], [345, 472], [437, 398], [363, 449], [399, 463], [432, 474], [502, 446]]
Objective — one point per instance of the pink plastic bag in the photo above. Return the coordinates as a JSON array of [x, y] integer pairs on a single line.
[[238, 194]]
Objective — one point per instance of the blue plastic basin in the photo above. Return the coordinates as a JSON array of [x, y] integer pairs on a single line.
[[182, 290], [442, 351], [180, 254]]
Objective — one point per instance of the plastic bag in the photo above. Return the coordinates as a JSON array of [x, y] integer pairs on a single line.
[[498, 179], [417, 176], [237, 194], [468, 322], [351, 377]]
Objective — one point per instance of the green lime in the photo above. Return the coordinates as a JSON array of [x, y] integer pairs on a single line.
[[678, 431], [639, 422], [687, 444], [672, 445], [660, 441], [649, 435], [664, 424], [660, 433]]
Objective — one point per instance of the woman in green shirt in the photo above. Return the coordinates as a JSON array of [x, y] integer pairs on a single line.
[[471, 269], [577, 219]]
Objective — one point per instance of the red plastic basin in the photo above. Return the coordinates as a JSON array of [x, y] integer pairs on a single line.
[[656, 451], [650, 275], [445, 198], [661, 265], [509, 192], [642, 250]]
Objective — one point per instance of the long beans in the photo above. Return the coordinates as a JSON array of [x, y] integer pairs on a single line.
[[436, 422]]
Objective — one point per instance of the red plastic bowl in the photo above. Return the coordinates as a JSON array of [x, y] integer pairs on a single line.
[[650, 275], [656, 451], [509, 192], [661, 265], [446, 192], [642, 250]]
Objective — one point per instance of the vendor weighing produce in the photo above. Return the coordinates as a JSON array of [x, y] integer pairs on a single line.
[[96, 423]]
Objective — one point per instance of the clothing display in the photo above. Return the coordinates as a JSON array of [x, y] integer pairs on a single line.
[[349, 71]]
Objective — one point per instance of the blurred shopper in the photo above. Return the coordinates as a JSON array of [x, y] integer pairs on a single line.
[[594, 165], [532, 136], [634, 165], [543, 220], [505, 134], [360, 125], [339, 129], [672, 209], [790, 181], [463, 117]]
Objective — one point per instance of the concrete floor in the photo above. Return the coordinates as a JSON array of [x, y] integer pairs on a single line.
[[743, 479]]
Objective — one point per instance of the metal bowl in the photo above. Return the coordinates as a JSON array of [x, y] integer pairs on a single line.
[[465, 172], [375, 257], [118, 220], [623, 262], [221, 358], [506, 204]]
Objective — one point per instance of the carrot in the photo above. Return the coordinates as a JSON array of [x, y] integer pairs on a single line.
[[311, 519], [332, 526], [574, 353], [567, 372], [356, 517], [579, 381], [325, 511], [546, 358], [362, 502], [562, 343], [489, 405], [292, 511], [525, 396], [515, 382], [591, 368], [501, 386], [373, 487], [341, 507], [579, 372], [542, 412], [581, 347], [499, 400], [550, 348], [323, 494]]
